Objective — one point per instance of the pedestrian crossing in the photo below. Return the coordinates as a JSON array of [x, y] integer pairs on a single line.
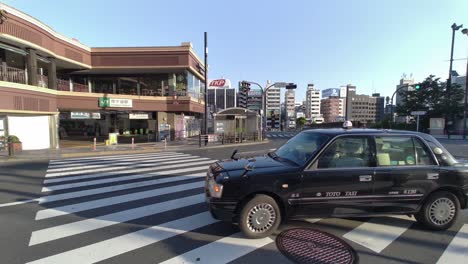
[[150, 208]]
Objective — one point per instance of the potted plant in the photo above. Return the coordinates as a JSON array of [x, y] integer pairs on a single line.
[[14, 145]]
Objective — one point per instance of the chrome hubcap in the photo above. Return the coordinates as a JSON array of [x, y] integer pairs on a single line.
[[261, 218], [442, 211]]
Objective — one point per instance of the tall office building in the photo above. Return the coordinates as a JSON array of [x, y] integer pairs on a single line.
[[273, 107], [254, 100], [364, 108], [406, 84], [290, 109], [333, 109], [313, 104], [221, 97]]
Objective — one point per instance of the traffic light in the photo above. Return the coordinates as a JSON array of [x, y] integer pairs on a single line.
[[290, 86], [417, 86]]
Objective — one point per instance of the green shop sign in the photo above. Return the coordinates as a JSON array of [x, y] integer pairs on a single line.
[[115, 102]]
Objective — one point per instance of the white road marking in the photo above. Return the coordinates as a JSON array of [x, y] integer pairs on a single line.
[[119, 173], [457, 250], [115, 246], [75, 228], [66, 163], [378, 233], [223, 250], [125, 186], [111, 157], [74, 208], [119, 168], [113, 163], [19, 202]]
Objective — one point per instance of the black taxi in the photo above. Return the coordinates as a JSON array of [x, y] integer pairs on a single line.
[[340, 173]]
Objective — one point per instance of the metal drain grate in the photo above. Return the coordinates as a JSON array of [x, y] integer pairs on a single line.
[[304, 245]]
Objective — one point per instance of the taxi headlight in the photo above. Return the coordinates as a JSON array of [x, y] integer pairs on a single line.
[[215, 189]]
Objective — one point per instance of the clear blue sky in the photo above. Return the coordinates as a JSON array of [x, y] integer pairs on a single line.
[[329, 43]]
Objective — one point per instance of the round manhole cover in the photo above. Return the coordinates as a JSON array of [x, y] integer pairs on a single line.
[[304, 245]]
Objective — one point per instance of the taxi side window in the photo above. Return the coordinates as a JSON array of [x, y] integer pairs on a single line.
[[346, 152], [401, 151], [423, 156]]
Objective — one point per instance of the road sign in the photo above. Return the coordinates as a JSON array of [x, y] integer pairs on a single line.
[[418, 113], [280, 84]]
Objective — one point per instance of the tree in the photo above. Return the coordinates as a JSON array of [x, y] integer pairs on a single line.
[[432, 98], [300, 122]]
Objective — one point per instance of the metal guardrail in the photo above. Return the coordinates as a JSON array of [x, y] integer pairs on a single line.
[[227, 138]]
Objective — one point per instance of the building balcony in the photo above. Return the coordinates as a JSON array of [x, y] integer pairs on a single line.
[[10, 74]]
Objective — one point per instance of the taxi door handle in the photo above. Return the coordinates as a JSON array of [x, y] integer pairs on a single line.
[[365, 178]]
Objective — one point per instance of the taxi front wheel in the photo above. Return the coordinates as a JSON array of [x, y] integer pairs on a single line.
[[439, 211], [259, 217]]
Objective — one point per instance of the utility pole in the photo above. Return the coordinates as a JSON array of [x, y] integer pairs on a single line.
[[205, 119]]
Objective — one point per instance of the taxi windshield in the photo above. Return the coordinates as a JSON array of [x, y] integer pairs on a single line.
[[302, 147]]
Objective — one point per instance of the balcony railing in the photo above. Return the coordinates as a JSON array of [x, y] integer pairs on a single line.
[[10, 74], [78, 87], [63, 85]]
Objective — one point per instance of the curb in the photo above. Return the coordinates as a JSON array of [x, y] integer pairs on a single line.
[[123, 152]]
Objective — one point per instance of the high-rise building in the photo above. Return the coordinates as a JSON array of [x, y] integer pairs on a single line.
[[254, 100], [333, 109], [290, 106], [406, 84], [221, 97], [313, 102], [364, 108], [273, 107], [379, 107]]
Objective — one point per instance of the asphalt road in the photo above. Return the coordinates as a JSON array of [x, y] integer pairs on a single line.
[[149, 208]]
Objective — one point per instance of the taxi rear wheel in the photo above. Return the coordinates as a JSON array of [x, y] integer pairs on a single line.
[[259, 217], [439, 211]]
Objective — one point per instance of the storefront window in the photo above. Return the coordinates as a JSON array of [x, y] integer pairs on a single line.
[[194, 86], [127, 85], [154, 85], [181, 84], [103, 85]]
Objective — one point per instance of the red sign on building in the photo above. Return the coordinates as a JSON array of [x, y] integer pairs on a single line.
[[218, 83]]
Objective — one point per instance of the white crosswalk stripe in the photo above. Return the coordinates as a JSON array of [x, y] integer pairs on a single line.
[[118, 245], [457, 251], [104, 164], [88, 195], [378, 233], [221, 251]]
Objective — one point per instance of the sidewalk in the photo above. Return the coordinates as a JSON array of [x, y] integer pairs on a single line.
[[88, 151]]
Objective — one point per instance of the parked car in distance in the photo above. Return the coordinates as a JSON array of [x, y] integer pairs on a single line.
[[340, 173]]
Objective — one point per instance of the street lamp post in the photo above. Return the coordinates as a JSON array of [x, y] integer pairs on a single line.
[[392, 105], [465, 105], [455, 27]]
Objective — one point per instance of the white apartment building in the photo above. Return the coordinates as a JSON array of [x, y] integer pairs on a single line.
[[273, 107], [407, 85], [290, 104], [313, 97]]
